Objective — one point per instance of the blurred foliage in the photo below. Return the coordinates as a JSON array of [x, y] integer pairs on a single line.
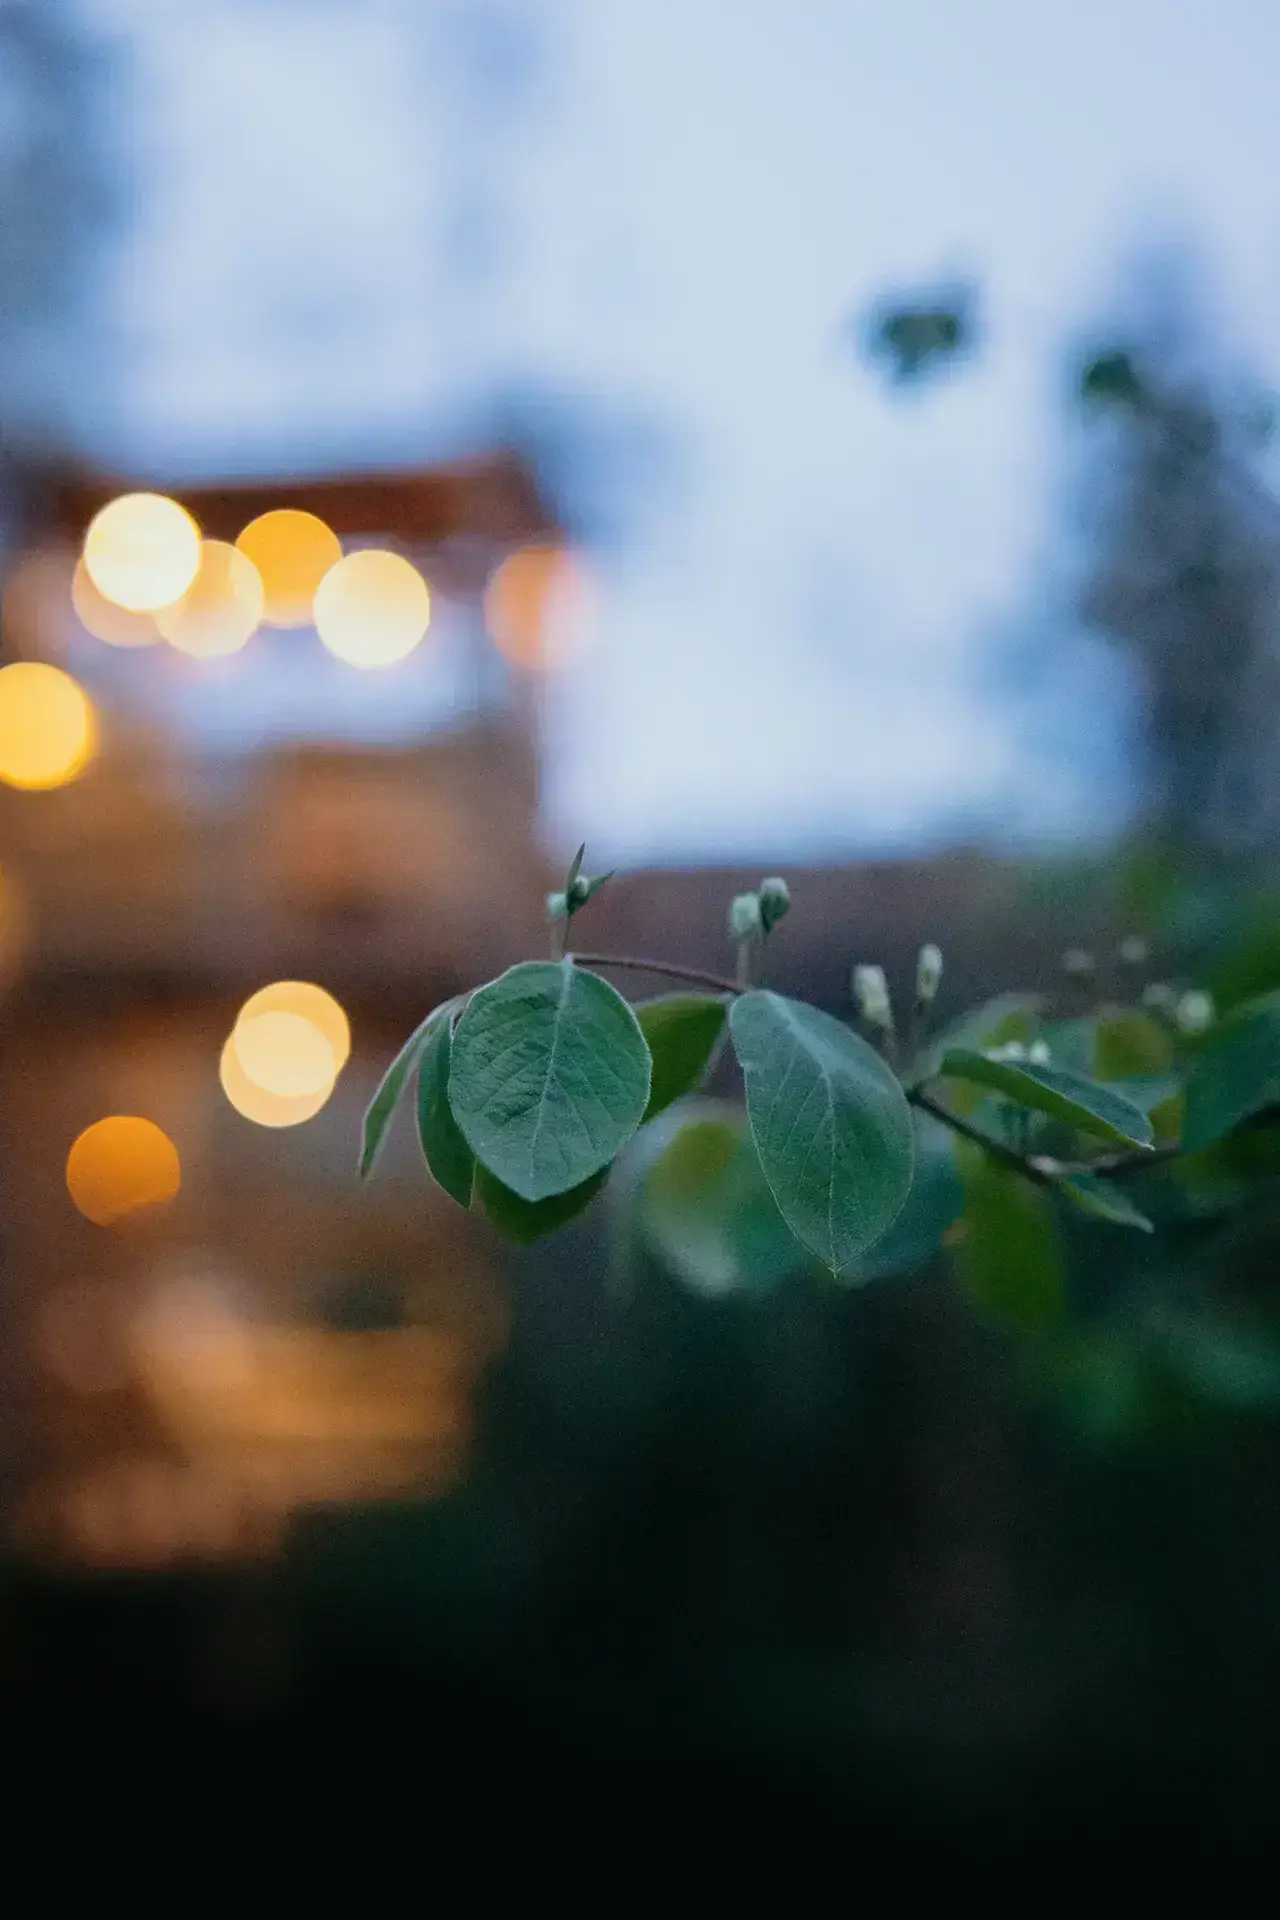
[[914, 338]]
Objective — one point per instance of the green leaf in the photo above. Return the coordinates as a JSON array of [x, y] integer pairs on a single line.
[[525, 1221], [1009, 1016], [575, 869], [1104, 1200], [1128, 1045], [681, 1030], [1236, 1072], [934, 1204], [392, 1085], [1052, 1090], [550, 1076], [446, 1153], [1009, 1257], [707, 1213], [830, 1122]]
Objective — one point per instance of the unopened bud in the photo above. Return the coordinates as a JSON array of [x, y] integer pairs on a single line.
[[1077, 962], [928, 974], [1194, 1013], [1134, 951], [557, 907], [1038, 1054], [775, 900], [1011, 1050], [745, 919], [579, 892], [871, 991]]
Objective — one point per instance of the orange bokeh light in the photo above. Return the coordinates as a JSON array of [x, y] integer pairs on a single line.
[[122, 1165], [292, 551]]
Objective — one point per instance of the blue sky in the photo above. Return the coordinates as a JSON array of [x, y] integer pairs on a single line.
[[350, 232]]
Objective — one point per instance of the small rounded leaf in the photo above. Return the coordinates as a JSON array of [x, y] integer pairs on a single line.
[[447, 1154], [681, 1030], [550, 1076], [525, 1221], [830, 1121]]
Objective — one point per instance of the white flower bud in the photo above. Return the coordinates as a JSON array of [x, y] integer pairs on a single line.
[[1011, 1050], [871, 991], [579, 892], [557, 907], [1038, 1054], [1194, 1012], [775, 901], [1134, 951], [745, 919], [928, 974]]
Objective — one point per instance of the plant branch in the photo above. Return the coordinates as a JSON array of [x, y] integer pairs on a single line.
[[696, 976], [1006, 1155]]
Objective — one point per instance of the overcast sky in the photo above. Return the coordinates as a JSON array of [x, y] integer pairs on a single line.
[[356, 220]]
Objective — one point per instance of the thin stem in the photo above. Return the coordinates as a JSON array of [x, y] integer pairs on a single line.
[[1007, 1156], [696, 976], [1120, 1164]]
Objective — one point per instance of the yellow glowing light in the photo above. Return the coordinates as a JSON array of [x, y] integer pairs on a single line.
[[47, 727], [284, 1053], [311, 1003], [372, 608], [105, 620], [221, 607], [121, 1165], [292, 551], [534, 607], [265, 1109], [142, 551]]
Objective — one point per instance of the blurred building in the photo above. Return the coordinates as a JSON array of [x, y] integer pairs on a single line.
[[178, 1378]]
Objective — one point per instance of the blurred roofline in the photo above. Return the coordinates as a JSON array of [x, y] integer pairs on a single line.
[[489, 496]]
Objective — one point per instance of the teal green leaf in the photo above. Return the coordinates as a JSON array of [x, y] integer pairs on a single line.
[[1236, 1072], [1009, 1016], [550, 1076], [681, 1030], [392, 1085], [933, 1205], [707, 1213], [830, 1122], [1008, 1257], [1104, 1199], [525, 1221], [1053, 1090], [447, 1154]]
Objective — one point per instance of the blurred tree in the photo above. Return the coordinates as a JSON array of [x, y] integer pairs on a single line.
[[1185, 574], [914, 337]]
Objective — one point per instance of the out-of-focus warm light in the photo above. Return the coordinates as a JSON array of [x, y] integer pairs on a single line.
[[309, 1002], [221, 607], [142, 551], [256, 1104], [105, 620], [292, 551], [285, 1053], [372, 608], [535, 607], [121, 1165], [48, 731]]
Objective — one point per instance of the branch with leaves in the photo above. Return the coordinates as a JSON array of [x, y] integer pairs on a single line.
[[531, 1087]]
